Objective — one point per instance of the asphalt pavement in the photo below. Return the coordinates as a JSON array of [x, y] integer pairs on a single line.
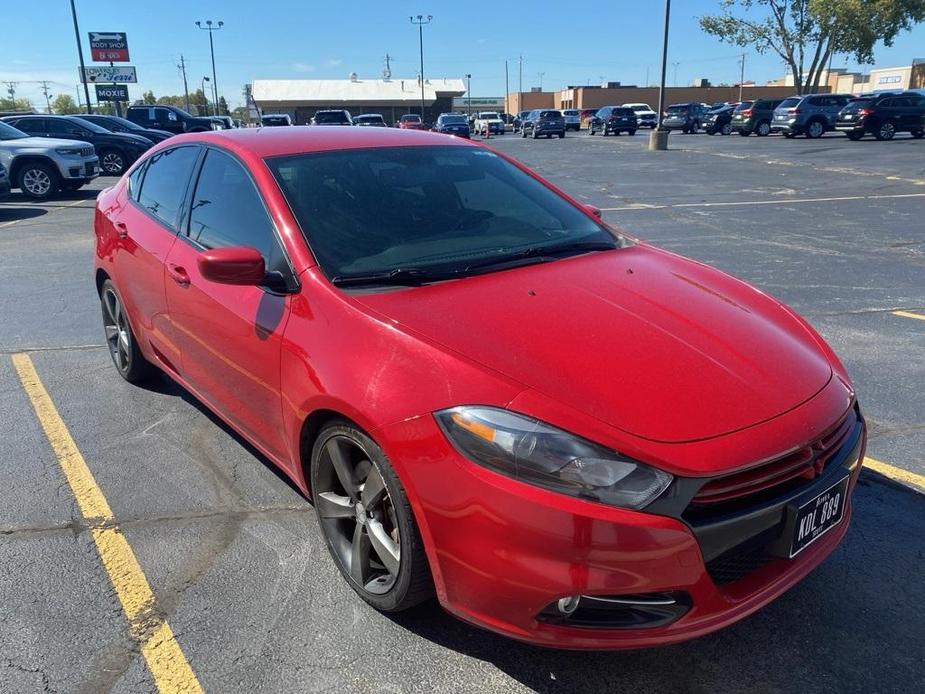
[[232, 551]]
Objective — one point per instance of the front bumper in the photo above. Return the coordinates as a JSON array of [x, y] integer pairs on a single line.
[[502, 551], [79, 169]]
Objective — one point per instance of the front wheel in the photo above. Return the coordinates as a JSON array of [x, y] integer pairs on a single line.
[[562, 135], [123, 347], [113, 162], [815, 130], [727, 129], [764, 129], [366, 520], [39, 181]]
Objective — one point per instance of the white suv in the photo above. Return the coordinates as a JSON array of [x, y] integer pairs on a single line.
[[645, 116], [41, 166], [488, 121]]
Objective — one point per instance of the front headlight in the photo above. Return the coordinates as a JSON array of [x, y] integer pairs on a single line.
[[536, 453], [68, 151]]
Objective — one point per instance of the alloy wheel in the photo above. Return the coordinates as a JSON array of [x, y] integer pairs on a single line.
[[815, 129], [113, 163], [118, 337], [357, 516], [763, 129], [887, 130], [37, 182]]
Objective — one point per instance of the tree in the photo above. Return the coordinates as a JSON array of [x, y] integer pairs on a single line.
[[798, 30], [148, 98], [64, 104], [222, 106], [7, 104]]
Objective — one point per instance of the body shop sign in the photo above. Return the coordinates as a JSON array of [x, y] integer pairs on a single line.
[[109, 46]]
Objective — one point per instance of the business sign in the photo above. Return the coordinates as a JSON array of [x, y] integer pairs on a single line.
[[109, 46], [890, 79], [121, 75], [111, 92]]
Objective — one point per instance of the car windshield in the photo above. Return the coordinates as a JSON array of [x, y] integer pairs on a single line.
[[369, 118], [640, 107], [411, 119], [8, 132], [489, 115], [570, 112], [330, 117], [274, 120], [790, 103], [435, 212], [454, 119]]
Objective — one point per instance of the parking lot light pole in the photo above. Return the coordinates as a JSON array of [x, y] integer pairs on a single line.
[[469, 94], [80, 54], [211, 28], [658, 138], [420, 21]]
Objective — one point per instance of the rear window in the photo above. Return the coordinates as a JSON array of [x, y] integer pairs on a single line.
[[331, 117], [790, 103], [745, 105], [570, 112], [453, 119], [677, 109], [550, 114], [624, 112], [411, 118]]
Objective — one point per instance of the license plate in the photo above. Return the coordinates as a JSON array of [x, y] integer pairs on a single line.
[[815, 518]]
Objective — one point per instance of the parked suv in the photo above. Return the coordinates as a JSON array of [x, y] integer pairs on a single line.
[[275, 120], [572, 119], [754, 117], [332, 117], [452, 124], [489, 122], [169, 118], [645, 116], [4, 182], [883, 116], [543, 122], [684, 117], [718, 120], [370, 120], [812, 115], [114, 124], [116, 151], [612, 120], [41, 166]]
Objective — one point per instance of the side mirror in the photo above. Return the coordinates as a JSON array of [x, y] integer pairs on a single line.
[[596, 211], [240, 265]]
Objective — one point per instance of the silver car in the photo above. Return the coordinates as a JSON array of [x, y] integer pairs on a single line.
[[42, 166], [572, 118]]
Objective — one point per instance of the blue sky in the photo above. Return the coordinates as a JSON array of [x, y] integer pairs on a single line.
[[312, 39]]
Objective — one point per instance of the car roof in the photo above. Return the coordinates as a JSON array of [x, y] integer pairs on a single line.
[[272, 142]]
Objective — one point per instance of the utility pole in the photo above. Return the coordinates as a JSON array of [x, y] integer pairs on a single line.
[[182, 68], [420, 21], [47, 96], [80, 54], [507, 90], [387, 73], [658, 138], [741, 77], [520, 83], [469, 95]]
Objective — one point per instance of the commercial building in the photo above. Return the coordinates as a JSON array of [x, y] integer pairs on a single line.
[[391, 97], [877, 79]]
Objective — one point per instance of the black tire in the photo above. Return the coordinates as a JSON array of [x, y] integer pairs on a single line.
[[604, 132], [38, 180], [590, 130], [120, 338], [536, 135], [710, 132], [726, 129], [695, 127], [918, 134], [886, 131], [412, 583], [113, 162], [763, 129], [562, 135], [523, 133], [814, 130], [855, 136], [630, 132]]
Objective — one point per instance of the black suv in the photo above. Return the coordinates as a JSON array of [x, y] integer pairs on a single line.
[[116, 151], [684, 117], [546, 122], [169, 118], [114, 124], [452, 124], [883, 116], [719, 120], [754, 117], [612, 120], [338, 117]]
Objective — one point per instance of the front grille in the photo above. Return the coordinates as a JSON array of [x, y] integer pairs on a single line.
[[87, 151], [737, 564], [796, 468]]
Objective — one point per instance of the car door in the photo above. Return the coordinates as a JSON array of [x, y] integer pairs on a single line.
[[37, 127], [68, 130], [165, 119], [145, 221], [230, 335]]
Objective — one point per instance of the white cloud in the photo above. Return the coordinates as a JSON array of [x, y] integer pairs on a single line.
[[302, 67], [333, 62]]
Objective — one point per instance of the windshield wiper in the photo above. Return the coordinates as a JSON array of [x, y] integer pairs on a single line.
[[400, 276], [542, 254]]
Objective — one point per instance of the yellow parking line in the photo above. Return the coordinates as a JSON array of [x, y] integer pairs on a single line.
[[908, 314], [165, 659], [913, 479]]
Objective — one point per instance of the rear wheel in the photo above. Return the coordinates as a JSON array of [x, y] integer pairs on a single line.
[[366, 520], [123, 348], [918, 134], [886, 131], [38, 181]]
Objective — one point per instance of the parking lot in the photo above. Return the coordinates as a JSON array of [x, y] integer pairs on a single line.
[[232, 551]]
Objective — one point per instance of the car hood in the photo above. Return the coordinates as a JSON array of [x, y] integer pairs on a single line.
[[125, 138], [41, 143], [659, 346]]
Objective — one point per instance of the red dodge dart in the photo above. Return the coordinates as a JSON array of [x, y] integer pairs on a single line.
[[491, 396]]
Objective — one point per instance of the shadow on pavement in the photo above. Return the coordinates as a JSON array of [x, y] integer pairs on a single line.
[[854, 624], [17, 214]]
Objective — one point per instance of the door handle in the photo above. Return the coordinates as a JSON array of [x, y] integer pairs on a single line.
[[178, 275], [121, 230]]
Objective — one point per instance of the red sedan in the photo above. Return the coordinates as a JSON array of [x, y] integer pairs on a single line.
[[568, 436], [411, 121]]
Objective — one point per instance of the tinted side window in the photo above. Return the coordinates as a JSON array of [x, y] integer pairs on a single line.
[[134, 182], [32, 126], [228, 211], [55, 126], [165, 183], [164, 115]]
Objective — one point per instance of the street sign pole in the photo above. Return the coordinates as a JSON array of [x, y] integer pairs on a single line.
[[80, 54]]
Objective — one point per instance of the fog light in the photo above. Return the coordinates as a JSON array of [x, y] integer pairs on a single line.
[[569, 604]]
